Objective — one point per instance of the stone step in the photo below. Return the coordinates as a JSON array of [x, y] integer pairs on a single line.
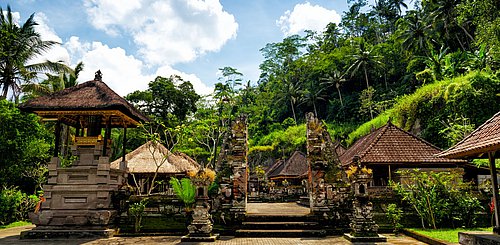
[[279, 218], [279, 225], [280, 233]]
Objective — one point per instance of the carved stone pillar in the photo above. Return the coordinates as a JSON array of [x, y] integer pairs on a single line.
[[316, 145]]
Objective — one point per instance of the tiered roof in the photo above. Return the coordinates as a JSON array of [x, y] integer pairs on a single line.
[[93, 95], [392, 145], [293, 167], [486, 138], [141, 160]]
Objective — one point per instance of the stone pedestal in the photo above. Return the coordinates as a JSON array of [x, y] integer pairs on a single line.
[[78, 199], [200, 229]]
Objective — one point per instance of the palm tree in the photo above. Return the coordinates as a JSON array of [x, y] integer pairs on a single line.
[[335, 79], [363, 59], [53, 83], [18, 46], [397, 4], [416, 34], [292, 92]]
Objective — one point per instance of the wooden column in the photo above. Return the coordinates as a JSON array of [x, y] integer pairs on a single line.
[[58, 138], [124, 141], [78, 126], [107, 135], [494, 183]]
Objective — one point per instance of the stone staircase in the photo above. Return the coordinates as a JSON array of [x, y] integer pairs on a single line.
[[256, 225]]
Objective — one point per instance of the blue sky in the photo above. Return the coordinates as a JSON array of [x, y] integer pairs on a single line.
[[134, 41]]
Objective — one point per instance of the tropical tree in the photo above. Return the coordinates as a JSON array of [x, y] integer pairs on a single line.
[[335, 79], [65, 79], [416, 33], [363, 59], [19, 46]]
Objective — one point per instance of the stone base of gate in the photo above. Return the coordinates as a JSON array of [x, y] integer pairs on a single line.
[[355, 239], [51, 233], [193, 238]]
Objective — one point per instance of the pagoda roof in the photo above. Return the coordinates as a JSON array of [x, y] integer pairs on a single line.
[[486, 138], [83, 98], [392, 145], [142, 160], [294, 166]]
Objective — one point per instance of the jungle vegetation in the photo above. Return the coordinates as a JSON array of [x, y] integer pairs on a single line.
[[432, 70]]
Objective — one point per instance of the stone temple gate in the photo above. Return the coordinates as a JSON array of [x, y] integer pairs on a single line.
[[325, 174]]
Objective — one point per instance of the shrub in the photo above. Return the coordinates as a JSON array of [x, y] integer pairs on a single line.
[[15, 205], [394, 214]]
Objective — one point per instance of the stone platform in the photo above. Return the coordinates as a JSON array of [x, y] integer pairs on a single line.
[[478, 238], [67, 234], [354, 239]]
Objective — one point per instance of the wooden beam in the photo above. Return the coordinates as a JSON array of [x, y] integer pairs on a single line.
[[124, 142]]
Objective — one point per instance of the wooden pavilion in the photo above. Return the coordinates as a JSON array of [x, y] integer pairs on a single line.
[[389, 149], [484, 142], [151, 158], [79, 197], [293, 169]]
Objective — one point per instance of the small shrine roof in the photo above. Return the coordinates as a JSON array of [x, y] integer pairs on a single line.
[[142, 160], [392, 145], [294, 166], [93, 95], [486, 138]]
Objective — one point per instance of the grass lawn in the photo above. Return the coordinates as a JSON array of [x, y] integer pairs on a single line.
[[449, 235], [15, 224]]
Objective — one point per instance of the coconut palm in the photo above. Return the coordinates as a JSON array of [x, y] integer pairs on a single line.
[[18, 47], [335, 79], [53, 83], [363, 59], [416, 34]]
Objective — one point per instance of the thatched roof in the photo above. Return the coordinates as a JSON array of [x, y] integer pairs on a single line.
[[142, 160], [93, 95], [293, 167], [392, 145], [486, 138]]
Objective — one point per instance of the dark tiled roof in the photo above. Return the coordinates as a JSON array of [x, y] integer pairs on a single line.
[[91, 95], [392, 145], [294, 166], [486, 138]]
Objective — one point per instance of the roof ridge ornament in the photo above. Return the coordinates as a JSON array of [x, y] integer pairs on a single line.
[[98, 76]]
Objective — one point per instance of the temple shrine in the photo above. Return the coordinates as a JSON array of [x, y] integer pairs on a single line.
[[80, 195]]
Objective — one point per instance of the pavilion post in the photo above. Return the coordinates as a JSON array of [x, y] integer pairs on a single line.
[[124, 140], [494, 183], [58, 138], [107, 135]]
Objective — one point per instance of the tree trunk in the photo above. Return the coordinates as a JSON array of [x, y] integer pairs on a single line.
[[366, 77], [293, 112], [340, 95]]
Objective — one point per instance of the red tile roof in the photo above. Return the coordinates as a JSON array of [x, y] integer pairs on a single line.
[[392, 145], [91, 95], [486, 138], [294, 166]]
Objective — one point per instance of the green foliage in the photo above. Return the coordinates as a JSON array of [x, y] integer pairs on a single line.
[[431, 108], [448, 235], [137, 211], [167, 99], [394, 214], [25, 145], [15, 205], [440, 199], [15, 224], [184, 189]]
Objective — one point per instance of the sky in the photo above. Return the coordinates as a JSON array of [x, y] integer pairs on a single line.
[[134, 41]]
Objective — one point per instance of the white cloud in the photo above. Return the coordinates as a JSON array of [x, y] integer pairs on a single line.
[[198, 85], [166, 31], [57, 52], [306, 17], [121, 72]]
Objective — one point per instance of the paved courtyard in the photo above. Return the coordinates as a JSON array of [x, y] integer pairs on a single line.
[[11, 236]]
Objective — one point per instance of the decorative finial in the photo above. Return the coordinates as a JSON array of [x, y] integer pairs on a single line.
[[98, 75]]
